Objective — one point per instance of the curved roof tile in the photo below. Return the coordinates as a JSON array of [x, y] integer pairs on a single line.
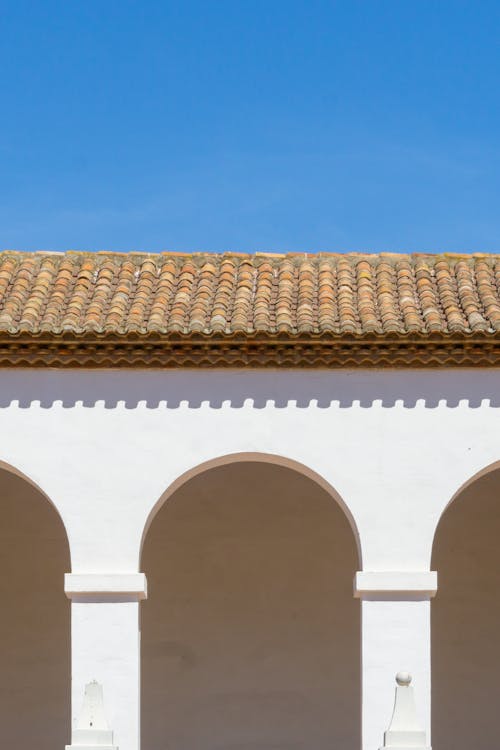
[[172, 293]]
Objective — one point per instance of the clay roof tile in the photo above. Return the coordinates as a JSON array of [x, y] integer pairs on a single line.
[[237, 293]]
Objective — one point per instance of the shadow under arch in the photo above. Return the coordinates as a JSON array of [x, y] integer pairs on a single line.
[[253, 457], [487, 469], [35, 617], [250, 636], [11, 469], [465, 614]]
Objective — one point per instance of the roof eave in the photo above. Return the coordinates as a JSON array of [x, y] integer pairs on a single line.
[[240, 350]]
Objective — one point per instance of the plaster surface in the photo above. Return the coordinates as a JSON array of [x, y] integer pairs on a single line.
[[391, 448]]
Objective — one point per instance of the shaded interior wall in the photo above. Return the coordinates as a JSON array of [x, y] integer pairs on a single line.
[[466, 620], [34, 620], [250, 634]]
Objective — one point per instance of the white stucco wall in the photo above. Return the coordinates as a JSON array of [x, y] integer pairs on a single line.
[[393, 447]]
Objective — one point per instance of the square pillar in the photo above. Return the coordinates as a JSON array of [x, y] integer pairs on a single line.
[[105, 643], [395, 611]]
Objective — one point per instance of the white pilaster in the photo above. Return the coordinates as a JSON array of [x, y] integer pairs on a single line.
[[106, 647], [395, 636]]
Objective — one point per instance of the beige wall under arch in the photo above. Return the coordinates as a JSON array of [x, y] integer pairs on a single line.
[[250, 634], [34, 619], [465, 617]]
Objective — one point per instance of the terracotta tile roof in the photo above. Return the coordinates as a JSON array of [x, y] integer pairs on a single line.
[[323, 310], [231, 293]]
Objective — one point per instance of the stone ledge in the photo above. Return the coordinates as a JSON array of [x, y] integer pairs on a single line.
[[395, 584], [105, 586]]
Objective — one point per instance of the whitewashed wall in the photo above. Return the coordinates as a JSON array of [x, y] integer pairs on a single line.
[[393, 447]]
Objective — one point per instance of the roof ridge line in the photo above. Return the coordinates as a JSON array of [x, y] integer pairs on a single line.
[[257, 255]]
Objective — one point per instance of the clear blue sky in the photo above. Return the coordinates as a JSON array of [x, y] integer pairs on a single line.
[[265, 125]]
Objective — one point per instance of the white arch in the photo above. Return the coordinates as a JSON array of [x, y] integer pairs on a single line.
[[478, 475], [5, 466], [246, 457]]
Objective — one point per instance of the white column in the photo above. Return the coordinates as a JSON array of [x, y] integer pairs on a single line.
[[395, 638], [105, 642]]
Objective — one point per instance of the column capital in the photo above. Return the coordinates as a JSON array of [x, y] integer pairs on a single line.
[[395, 584], [105, 586]]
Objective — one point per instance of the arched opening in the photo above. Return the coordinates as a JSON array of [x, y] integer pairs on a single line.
[[250, 634], [34, 620], [466, 618]]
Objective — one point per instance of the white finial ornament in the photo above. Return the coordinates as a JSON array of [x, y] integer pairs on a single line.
[[404, 731], [403, 679], [92, 731]]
